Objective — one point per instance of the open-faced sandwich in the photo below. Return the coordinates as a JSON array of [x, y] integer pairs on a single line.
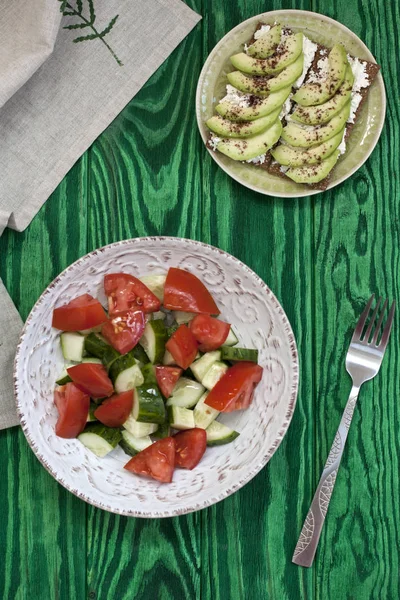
[[290, 105]]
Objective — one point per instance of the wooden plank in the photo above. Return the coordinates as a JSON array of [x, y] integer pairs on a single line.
[[248, 540], [145, 180], [357, 253], [43, 534]]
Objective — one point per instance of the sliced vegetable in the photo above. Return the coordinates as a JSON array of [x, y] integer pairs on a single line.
[[186, 393], [168, 360], [156, 461], [91, 379], [203, 414], [96, 345], [100, 439], [128, 379], [109, 357], [209, 332], [180, 418], [172, 328], [153, 340], [200, 367], [214, 374], [167, 378], [163, 431], [115, 411], [140, 355], [183, 346], [63, 378], [148, 406], [155, 283], [132, 445], [181, 316], [236, 381], [126, 293], [120, 364], [219, 434], [238, 354], [83, 312], [189, 447], [125, 330], [72, 346], [232, 339], [73, 410], [91, 418], [149, 374], [139, 429], [92, 360], [184, 291]]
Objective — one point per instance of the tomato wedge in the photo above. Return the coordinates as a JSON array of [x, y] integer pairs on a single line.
[[124, 331], [73, 409], [190, 446], [229, 393], [184, 291], [209, 332], [91, 379], [83, 312], [167, 378], [183, 346], [115, 411], [156, 461], [126, 292]]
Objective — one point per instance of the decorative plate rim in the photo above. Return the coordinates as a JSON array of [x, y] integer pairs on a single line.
[[307, 191], [267, 455]]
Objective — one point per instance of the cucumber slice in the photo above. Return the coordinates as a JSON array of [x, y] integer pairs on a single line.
[[92, 359], [91, 417], [153, 340], [139, 430], [182, 317], [100, 439], [214, 374], [168, 360], [131, 445], [63, 377], [148, 405], [128, 379], [203, 414], [180, 418], [186, 393], [172, 328], [72, 345], [200, 367], [149, 374], [158, 315], [163, 431], [96, 329], [155, 283], [219, 434], [236, 354], [232, 339], [140, 355], [110, 355], [96, 345], [120, 364]]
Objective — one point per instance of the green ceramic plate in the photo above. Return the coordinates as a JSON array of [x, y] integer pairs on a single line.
[[211, 88]]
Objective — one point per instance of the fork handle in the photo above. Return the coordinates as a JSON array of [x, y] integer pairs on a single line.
[[309, 537]]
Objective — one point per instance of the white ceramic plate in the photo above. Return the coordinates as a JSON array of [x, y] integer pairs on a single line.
[[321, 29], [244, 300]]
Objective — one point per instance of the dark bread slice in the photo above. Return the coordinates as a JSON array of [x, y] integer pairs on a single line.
[[372, 70]]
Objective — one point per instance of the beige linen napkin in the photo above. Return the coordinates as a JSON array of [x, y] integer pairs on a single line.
[[103, 54]]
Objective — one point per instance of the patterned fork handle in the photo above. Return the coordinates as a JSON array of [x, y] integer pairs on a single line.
[[308, 541]]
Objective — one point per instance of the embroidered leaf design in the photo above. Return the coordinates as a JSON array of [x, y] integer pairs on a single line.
[[91, 12], [109, 27], [76, 26], [63, 5], [79, 5], [68, 13], [84, 38]]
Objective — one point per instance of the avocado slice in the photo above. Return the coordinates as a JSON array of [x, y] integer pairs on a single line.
[[312, 94], [263, 86], [266, 45], [241, 129], [317, 115], [313, 173], [259, 107], [297, 157], [252, 147], [306, 136], [289, 51]]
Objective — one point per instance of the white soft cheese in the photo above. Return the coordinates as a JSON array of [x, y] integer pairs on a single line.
[[286, 108], [235, 97], [258, 160], [322, 73], [361, 79], [260, 32], [342, 146], [214, 141], [309, 50]]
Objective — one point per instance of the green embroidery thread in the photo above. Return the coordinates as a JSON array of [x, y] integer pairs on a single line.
[[88, 22]]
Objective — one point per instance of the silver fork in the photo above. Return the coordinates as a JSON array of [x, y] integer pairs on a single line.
[[363, 362]]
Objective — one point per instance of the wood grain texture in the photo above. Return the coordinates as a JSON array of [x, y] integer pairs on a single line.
[[149, 174]]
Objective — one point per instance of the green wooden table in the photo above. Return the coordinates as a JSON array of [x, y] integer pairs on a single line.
[[149, 174]]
